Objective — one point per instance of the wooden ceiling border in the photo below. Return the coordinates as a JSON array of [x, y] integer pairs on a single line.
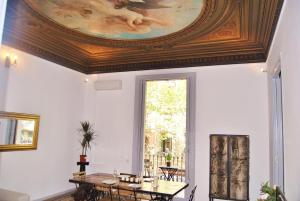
[[209, 19], [182, 63]]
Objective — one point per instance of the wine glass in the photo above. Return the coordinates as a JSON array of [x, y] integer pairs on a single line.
[[115, 173], [140, 176]]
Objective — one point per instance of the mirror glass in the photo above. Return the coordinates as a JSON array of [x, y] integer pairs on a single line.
[[18, 131]]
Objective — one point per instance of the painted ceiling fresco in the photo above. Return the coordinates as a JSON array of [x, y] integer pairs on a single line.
[[104, 36], [122, 19]]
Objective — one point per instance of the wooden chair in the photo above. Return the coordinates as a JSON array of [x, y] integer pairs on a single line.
[[106, 191], [125, 194]]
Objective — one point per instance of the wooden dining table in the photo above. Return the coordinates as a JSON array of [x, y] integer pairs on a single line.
[[165, 191]]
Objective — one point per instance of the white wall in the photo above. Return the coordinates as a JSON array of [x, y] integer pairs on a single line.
[[56, 94], [287, 44], [3, 83], [231, 99]]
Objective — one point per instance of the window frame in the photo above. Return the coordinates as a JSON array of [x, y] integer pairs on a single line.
[[138, 138]]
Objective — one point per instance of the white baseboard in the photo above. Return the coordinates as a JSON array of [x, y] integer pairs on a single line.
[[56, 194]]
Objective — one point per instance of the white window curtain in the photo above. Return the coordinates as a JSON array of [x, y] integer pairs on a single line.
[[277, 136]]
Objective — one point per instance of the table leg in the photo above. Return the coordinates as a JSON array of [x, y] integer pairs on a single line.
[[82, 168], [87, 192], [171, 175], [166, 176]]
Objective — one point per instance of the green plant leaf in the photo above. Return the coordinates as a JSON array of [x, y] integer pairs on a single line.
[[266, 188], [88, 135]]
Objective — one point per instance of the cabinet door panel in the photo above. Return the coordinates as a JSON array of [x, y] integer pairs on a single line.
[[239, 167], [229, 167]]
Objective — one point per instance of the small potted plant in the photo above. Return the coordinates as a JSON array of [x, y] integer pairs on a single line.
[[267, 193], [168, 159], [88, 135]]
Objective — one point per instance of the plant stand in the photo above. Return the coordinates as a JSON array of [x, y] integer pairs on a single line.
[[82, 166]]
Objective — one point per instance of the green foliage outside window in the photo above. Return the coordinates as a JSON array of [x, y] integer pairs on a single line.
[[165, 114]]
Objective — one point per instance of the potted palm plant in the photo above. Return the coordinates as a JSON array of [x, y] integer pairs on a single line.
[[168, 159], [88, 135]]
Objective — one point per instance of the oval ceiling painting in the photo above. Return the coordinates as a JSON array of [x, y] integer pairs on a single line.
[[121, 19]]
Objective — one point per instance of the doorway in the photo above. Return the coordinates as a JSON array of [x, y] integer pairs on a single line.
[[164, 126]]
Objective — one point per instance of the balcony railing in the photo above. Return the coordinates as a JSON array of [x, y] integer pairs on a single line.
[[153, 162]]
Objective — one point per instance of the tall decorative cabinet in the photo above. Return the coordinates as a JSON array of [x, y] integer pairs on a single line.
[[229, 167]]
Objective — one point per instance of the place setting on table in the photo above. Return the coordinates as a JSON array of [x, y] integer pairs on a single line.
[[103, 186]]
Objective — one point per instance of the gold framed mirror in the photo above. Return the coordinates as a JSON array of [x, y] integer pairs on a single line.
[[18, 131]]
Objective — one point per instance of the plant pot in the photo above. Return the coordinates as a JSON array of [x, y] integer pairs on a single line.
[[82, 158], [168, 163]]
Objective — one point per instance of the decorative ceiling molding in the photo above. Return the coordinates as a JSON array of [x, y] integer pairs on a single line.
[[226, 32]]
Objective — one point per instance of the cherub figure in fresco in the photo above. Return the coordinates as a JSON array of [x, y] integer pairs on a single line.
[[120, 8], [142, 4], [133, 13]]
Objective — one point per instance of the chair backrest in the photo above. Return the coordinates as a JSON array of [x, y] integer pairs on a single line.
[[125, 192], [279, 195], [193, 194]]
